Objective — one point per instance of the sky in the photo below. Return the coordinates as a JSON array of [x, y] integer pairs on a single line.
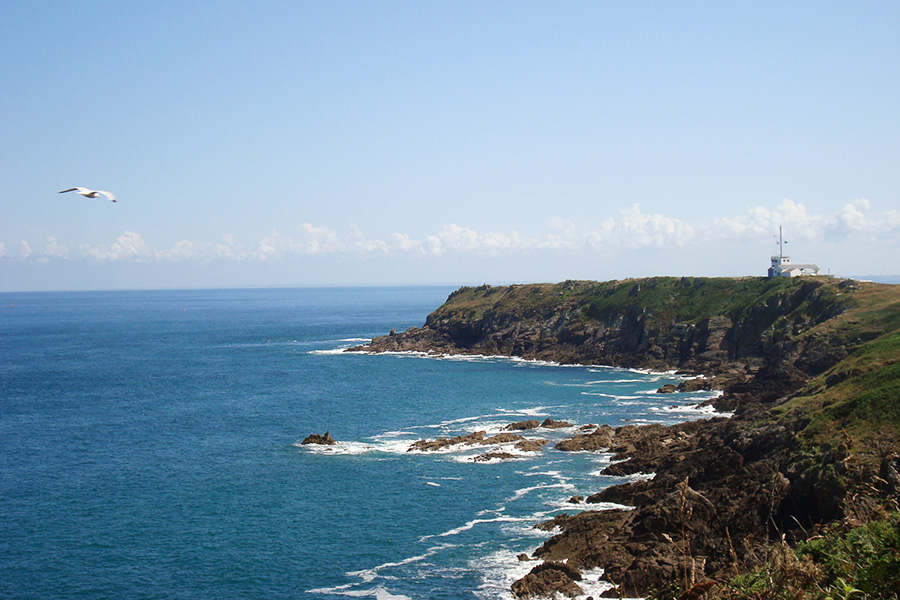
[[290, 143]]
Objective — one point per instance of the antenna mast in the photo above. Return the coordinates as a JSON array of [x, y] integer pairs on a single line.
[[780, 246]]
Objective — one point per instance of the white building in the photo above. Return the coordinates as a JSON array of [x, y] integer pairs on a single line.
[[783, 267]]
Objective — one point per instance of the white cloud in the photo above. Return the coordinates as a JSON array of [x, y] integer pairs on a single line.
[[760, 222], [128, 246], [54, 249], [628, 229], [405, 243]]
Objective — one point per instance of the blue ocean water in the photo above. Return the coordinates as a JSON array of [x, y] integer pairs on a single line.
[[149, 448]]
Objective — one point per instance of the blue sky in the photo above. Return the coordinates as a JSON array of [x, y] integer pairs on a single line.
[[340, 143]]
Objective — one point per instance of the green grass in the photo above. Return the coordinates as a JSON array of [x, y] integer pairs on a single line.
[[861, 563]]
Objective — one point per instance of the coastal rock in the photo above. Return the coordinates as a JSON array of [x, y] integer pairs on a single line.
[[523, 425], [547, 580], [551, 424], [531, 445], [668, 388], [502, 438], [494, 456], [315, 438], [599, 439], [440, 443]]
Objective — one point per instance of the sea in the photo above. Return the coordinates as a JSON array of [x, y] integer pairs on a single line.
[[150, 448]]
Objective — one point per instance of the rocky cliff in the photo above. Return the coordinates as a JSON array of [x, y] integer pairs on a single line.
[[710, 326], [810, 366]]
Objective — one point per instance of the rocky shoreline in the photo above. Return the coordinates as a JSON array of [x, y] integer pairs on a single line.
[[725, 489]]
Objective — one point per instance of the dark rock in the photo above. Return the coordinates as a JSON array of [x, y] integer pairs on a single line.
[[502, 438], [599, 439], [576, 500], [668, 388], [494, 456], [315, 438], [440, 443], [551, 424], [547, 580], [523, 425], [531, 445]]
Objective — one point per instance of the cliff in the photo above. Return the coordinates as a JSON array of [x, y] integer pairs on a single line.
[[693, 324], [811, 367]]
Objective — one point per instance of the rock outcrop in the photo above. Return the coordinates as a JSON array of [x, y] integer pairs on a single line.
[[322, 439]]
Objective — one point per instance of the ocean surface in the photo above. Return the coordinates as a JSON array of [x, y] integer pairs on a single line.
[[149, 448]]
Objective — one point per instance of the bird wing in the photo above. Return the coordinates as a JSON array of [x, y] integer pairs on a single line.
[[69, 190], [108, 195]]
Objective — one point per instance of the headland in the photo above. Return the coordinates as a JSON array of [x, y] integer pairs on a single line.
[[810, 369]]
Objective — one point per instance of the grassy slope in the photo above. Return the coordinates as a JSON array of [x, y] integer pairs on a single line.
[[661, 300], [857, 400]]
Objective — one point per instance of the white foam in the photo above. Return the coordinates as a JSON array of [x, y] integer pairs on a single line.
[[378, 592], [615, 397], [432, 484], [499, 571], [522, 492], [368, 575], [356, 448], [537, 411], [695, 410], [472, 524], [330, 352]]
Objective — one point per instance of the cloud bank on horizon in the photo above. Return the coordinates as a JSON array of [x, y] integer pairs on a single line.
[[631, 229]]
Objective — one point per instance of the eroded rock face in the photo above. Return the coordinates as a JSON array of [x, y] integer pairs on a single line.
[[323, 439]]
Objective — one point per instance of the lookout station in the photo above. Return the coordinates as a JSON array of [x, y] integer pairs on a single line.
[[783, 267]]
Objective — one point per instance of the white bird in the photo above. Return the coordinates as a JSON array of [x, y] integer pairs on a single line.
[[89, 193]]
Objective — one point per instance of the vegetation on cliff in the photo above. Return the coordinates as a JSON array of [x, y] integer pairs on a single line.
[[811, 369]]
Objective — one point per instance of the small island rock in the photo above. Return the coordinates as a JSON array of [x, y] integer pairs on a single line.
[[315, 438]]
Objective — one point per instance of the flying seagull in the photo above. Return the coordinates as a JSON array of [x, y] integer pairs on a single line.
[[89, 193]]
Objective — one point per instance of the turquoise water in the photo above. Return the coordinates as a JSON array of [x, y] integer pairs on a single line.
[[149, 448]]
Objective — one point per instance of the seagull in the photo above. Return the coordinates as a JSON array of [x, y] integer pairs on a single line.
[[89, 193]]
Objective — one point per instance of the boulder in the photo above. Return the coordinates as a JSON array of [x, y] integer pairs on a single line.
[[547, 580], [551, 424], [523, 425]]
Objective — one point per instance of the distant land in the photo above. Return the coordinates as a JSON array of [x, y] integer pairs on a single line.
[[892, 279], [771, 502]]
